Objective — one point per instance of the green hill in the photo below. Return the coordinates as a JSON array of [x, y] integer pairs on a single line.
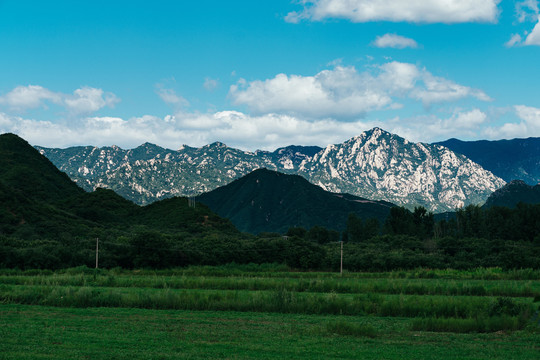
[[513, 193], [269, 201], [27, 171], [46, 220]]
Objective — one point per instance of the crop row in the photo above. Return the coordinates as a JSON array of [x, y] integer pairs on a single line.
[[281, 271], [511, 288], [281, 301]]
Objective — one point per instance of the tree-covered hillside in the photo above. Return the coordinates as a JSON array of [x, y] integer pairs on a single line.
[[269, 201], [513, 193]]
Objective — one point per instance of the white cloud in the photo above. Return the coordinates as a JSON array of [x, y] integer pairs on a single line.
[[437, 90], [83, 101], [534, 37], [344, 92], [416, 11], [394, 41], [530, 115], [468, 120], [529, 124], [431, 128], [210, 84], [234, 128], [170, 97], [527, 10], [267, 131], [515, 40], [88, 100], [29, 97], [338, 92]]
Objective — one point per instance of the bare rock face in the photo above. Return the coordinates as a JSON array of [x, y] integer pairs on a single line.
[[381, 165], [376, 165]]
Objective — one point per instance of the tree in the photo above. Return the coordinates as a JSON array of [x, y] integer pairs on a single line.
[[150, 249], [400, 222], [355, 228], [424, 222]]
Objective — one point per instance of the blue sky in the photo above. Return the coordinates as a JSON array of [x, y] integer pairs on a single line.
[[268, 73]]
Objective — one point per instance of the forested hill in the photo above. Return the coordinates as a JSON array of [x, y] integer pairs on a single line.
[[269, 201], [48, 215], [513, 193], [31, 175]]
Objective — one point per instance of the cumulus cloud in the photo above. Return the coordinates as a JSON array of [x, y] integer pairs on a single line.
[[234, 128], [267, 131], [88, 100], [530, 115], [394, 41], [416, 11], [431, 128], [338, 92], [29, 97], [83, 101], [531, 39], [534, 37], [528, 124], [437, 89], [344, 92]]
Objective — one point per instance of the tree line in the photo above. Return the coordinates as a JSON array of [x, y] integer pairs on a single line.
[[471, 237]]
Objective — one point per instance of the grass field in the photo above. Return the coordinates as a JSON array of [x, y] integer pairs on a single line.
[[243, 313]]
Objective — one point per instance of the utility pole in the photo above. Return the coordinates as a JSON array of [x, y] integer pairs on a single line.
[[341, 263], [97, 252]]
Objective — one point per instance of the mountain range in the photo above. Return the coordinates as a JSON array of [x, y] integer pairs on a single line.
[[375, 165], [47, 221]]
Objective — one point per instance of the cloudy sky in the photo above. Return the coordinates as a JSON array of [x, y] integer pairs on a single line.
[[267, 73]]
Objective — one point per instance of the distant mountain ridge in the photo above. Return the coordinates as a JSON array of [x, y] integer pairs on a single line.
[[269, 201], [376, 165], [516, 159]]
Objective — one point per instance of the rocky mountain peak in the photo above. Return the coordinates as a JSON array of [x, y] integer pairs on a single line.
[[375, 164], [216, 145]]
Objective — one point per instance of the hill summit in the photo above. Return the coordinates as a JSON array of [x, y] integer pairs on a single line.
[[269, 201]]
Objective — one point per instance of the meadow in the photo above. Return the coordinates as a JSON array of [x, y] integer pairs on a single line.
[[267, 311]]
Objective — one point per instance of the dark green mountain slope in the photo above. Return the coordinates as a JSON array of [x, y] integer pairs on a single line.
[[33, 175], [37, 201], [513, 193], [269, 201], [508, 159]]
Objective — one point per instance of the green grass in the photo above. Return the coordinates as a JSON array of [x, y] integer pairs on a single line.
[[254, 312], [279, 300], [37, 332]]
